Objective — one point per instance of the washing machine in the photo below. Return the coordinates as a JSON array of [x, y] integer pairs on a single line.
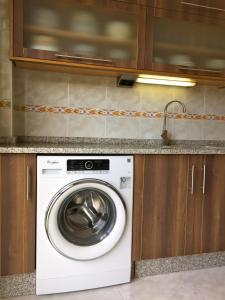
[[84, 222]]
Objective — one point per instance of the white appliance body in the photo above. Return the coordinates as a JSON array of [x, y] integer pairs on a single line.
[[69, 263]]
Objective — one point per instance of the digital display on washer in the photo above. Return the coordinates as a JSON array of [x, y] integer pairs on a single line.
[[88, 164]]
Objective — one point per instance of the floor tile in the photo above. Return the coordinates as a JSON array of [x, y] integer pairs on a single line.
[[200, 285], [205, 284]]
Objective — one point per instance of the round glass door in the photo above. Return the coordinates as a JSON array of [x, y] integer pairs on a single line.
[[85, 219]]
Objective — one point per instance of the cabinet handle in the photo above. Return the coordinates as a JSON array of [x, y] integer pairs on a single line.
[[204, 176], [74, 57], [192, 179], [28, 183], [202, 6], [199, 69]]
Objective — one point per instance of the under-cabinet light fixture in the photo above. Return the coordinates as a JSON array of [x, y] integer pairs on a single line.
[[165, 80]]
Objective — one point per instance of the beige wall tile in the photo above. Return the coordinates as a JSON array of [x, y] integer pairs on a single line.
[[122, 127], [154, 98], [47, 88], [19, 86], [214, 130], [87, 91], [150, 128], [214, 101], [193, 98], [123, 98], [5, 71], [18, 123], [86, 126], [187, 130], [45, 124], [5, 81], [5, 122]]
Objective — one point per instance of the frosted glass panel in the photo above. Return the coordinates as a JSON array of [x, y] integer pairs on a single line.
[[192, 45], [83, 30]]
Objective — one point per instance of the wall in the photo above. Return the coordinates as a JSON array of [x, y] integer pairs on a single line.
[[53, 104], [5, 73]]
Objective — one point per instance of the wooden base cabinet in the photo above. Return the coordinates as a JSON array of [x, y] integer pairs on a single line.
[[179, 205], [17, 208], [213, 225]]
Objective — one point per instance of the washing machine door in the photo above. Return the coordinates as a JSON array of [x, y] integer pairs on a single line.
[[85, 219]]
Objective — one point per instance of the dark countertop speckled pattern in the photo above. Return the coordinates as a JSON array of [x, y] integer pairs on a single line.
[[45, 145]]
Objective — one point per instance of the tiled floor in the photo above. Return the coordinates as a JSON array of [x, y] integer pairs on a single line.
[[207, 284]]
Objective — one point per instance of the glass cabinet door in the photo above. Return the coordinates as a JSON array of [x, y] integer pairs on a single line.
[[90, 32], [187, 45], [213, 8]]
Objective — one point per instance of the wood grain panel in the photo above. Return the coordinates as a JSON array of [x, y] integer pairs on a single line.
[[164, 209], [30, 215], [213, 226], [17, 26], [149, 39], [139, 161], [194, 218], [18, 214], [214, 9]]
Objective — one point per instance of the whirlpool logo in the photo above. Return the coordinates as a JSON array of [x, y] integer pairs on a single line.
[[52, 162]]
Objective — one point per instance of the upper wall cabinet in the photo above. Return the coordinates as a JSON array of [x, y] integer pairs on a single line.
[[187, 43], [210, 8], [90, 32], [173, 37]]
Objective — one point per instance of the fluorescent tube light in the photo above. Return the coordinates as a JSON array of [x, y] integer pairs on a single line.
[[165, 80]]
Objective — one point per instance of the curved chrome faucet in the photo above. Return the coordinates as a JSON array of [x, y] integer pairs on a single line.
[[164, 135]]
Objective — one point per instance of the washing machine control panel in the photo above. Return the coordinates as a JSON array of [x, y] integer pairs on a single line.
[[88, 165]]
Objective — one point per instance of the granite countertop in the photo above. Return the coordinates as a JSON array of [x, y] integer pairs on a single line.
[[45, 145]]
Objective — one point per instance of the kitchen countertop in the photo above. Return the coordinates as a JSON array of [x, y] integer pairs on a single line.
[[44, 145]]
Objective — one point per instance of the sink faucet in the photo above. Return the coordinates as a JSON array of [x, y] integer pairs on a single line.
[[164, 135]]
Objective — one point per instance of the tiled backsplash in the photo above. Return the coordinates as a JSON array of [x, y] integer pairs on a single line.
[[5, 73], [53, 104]]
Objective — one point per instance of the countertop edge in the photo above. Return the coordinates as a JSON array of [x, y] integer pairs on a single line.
[[116, 150]]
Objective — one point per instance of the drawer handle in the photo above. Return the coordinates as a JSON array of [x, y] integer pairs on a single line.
[[74, 57], [192, 179], [202, 6], [204, 177], [28, 183], [199, 69]]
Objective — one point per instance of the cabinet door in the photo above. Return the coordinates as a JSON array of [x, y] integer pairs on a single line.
[[18, 202], [181, 44], [96, 32], [213, 226], [165, 192], [210, 8], [195, 206]]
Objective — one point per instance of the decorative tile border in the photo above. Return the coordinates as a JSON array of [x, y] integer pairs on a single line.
[[113, 113], [5, 104]]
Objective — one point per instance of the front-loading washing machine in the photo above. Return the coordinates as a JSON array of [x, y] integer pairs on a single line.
[[84, 222]]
